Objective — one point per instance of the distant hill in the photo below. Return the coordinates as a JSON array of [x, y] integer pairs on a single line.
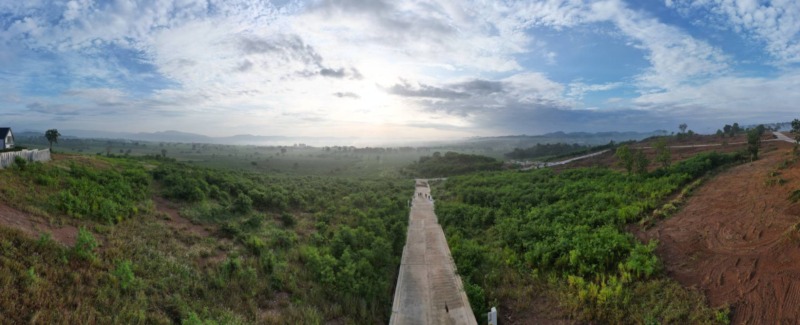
[[510, 142], [186, 137], [499, 143]]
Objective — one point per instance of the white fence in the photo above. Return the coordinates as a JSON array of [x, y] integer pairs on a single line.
[[7, 158]]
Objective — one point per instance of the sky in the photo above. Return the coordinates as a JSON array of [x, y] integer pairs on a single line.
[[397, 69]]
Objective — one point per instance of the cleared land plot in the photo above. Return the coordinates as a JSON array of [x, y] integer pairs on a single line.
[[737, 240]]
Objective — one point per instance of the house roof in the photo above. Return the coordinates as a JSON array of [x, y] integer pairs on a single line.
[[4, 132]]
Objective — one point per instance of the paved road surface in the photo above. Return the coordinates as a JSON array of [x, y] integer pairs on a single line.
[[782, 137], [428, 290], [563, 162]]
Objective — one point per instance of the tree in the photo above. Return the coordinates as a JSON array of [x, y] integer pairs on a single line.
[[796, 129], [761, 129], [683, 127], [663, 155], [163, 153], [736, 129], [52, 136], [727, 129], [720, 134], [753, 143], [640, 161], [625, 157]]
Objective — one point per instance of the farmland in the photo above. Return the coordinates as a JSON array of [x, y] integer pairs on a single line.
[[154, 241], [197, 233]]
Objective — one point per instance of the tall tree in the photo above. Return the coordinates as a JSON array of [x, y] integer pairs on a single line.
[[663, 155], [52, 136], [640, 161], [796, 129], [753, 143], [625, 157], [683, 127], [727, 129], [736, 129]]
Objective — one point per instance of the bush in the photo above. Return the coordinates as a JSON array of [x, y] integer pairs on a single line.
[[85, 245], [242, 204], [20, 163], [124, 274], [287, 219]]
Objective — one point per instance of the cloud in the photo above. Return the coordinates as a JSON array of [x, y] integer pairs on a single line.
[[578, 89], [774, 23], [53, 109], [426, 91], [481, 101], [347, 95], [675, 56], [283, 47]]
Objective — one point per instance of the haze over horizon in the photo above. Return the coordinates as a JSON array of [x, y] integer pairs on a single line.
[[397, 69]]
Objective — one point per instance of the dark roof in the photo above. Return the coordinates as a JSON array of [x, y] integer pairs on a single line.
[[4, 132]]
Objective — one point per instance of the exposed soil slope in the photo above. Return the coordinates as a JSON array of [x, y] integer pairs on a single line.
[[35, 226], [737, 240]]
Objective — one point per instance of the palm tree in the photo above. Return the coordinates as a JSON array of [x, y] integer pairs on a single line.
[[52, 136]]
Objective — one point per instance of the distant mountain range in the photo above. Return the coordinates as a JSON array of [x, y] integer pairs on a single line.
[[498, 142], [582, 138], [186, 137]]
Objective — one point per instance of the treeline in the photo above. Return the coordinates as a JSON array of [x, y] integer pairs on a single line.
[[557, 150], [332, 246], [569, 227], [451, 163], [545, 150]]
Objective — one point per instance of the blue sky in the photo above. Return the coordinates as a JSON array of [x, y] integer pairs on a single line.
[[400, 69]]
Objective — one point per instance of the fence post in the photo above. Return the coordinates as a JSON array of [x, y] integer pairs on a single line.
[[492, 315]]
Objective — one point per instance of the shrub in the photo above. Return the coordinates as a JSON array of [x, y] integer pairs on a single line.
[[124, 274], [85, 244], [288, 220], [20, 163], [242, 204]]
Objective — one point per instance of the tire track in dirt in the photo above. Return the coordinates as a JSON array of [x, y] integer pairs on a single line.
[[737, 240]]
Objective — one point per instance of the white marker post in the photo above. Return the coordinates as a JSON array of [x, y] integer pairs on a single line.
[[492, 315]]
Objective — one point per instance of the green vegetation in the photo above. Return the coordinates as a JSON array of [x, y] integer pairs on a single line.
[[663, 154], [567, 231], [549, 152], [451, 163], [546, 150], [243, 248], [52, 135], [754, 141]]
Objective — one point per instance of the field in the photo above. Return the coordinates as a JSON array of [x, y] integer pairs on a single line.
[[725, 230], [142, 232], [141, 240], [736, 239], [344, 161]]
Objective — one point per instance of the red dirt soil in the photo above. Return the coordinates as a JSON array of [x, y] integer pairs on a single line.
[[176, 221], [35, 226], [736, 239]]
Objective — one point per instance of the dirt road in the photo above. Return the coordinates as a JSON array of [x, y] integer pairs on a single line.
[[428, 290]]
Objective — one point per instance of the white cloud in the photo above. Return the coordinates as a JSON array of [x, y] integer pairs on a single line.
[[775, 23], [578, 89]]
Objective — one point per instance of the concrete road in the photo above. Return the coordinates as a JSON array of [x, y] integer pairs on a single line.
[[782, 137], [428, 290]]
